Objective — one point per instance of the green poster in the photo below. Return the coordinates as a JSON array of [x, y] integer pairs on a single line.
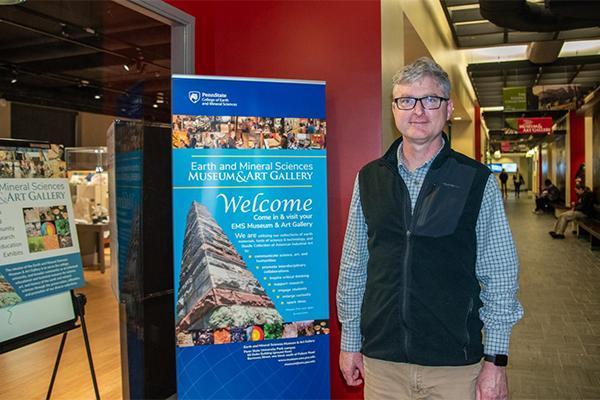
[[514, 98]]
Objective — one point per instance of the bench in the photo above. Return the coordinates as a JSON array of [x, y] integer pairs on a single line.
[[590, 227]]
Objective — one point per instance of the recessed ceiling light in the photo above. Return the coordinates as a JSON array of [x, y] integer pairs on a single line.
[[14, 80], [97, 96], [126, 67], [155, 105]]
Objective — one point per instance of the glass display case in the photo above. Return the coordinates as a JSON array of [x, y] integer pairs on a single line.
[[88, 181]]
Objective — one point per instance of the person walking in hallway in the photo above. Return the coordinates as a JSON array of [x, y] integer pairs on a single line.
[[428, 261], [517, 182], [582, 209], [503, 180]]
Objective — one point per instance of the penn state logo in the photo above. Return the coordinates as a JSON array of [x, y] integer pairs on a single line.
[[194, 96]]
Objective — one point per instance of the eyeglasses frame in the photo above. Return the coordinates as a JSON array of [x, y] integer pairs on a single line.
[[420, 100]]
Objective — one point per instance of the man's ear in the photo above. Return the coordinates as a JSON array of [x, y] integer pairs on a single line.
[[450, 109]]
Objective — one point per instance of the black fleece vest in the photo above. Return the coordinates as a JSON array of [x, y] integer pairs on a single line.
[[421, 303]]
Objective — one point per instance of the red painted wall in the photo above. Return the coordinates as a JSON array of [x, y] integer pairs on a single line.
[[477, 136], [576, 147], [335, 41]]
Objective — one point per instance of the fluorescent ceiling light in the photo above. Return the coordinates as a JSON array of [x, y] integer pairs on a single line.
[[580, 48], [477, 21], [497, 108], [464, 7], [499, 53], [10, 2], [457, 118]]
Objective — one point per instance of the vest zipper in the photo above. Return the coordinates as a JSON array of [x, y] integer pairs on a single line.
[[405, 292], [468, 336]]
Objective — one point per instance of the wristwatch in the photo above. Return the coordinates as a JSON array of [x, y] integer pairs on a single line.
[[499, 360]]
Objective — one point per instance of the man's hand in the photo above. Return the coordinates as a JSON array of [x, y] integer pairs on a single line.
[[351, 365], [492, 383]]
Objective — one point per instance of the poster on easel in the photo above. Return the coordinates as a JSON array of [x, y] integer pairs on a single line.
[[250, 238], [39, 251]]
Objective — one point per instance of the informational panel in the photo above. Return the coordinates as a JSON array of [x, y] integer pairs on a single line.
[[22, 322], [38, 241], [250, 238]]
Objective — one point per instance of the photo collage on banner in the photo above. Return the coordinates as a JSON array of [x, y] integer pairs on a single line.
[[250, 238]]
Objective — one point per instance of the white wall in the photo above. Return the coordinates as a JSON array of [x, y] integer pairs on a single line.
[[392, 59], [91, 129], [463, 137], [4, 119], [416, 28], [523, 166]]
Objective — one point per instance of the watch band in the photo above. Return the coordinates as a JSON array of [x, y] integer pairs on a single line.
[[499, 360]]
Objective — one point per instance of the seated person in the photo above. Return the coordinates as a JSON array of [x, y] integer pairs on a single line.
[[582, 209], [545, 201]]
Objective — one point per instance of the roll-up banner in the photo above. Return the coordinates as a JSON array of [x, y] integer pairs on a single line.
[[250, 238]]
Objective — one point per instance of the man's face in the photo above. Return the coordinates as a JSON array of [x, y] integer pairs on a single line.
[[420, 125]]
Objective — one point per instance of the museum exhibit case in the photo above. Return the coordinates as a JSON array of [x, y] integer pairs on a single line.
[[88, 181]]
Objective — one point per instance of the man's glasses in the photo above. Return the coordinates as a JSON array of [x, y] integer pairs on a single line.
[[427, 102]]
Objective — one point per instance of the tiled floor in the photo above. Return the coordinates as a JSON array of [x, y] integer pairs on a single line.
[[555, 348]]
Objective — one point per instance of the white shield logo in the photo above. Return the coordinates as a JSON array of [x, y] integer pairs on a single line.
[[194, 96]]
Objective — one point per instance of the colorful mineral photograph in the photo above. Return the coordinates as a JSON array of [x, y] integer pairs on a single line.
[[216, 289]]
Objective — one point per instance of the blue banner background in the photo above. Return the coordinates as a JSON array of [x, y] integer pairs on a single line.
[[252, 98]]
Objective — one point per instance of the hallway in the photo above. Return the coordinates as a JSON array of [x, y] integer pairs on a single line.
[[555, 348], [554, 354]]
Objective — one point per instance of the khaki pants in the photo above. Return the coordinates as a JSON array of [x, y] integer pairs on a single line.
[[399, 381], [563, 220]]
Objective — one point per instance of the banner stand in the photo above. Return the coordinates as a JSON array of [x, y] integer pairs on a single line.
[[79, 301]]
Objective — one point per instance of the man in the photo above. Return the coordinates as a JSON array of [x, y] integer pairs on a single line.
[[580, 210], [517, 182], [428, 261], [545, 200], [503, 179]]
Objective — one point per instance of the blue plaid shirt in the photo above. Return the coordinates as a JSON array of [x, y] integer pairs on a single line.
[[497, 266]]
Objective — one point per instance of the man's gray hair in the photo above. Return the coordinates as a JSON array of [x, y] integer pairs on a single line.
[[421, 68]]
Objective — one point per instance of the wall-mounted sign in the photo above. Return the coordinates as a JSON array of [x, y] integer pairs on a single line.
[[534, 125]]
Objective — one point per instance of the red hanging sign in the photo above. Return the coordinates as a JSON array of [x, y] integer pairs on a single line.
[[534, 125]]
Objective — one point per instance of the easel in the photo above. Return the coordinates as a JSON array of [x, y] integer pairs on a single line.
[[80, 301]]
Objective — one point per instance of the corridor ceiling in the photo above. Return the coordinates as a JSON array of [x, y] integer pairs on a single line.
[[524, 22], [95, 56]]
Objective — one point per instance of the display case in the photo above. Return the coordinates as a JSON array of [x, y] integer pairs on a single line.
[[88, 181]]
